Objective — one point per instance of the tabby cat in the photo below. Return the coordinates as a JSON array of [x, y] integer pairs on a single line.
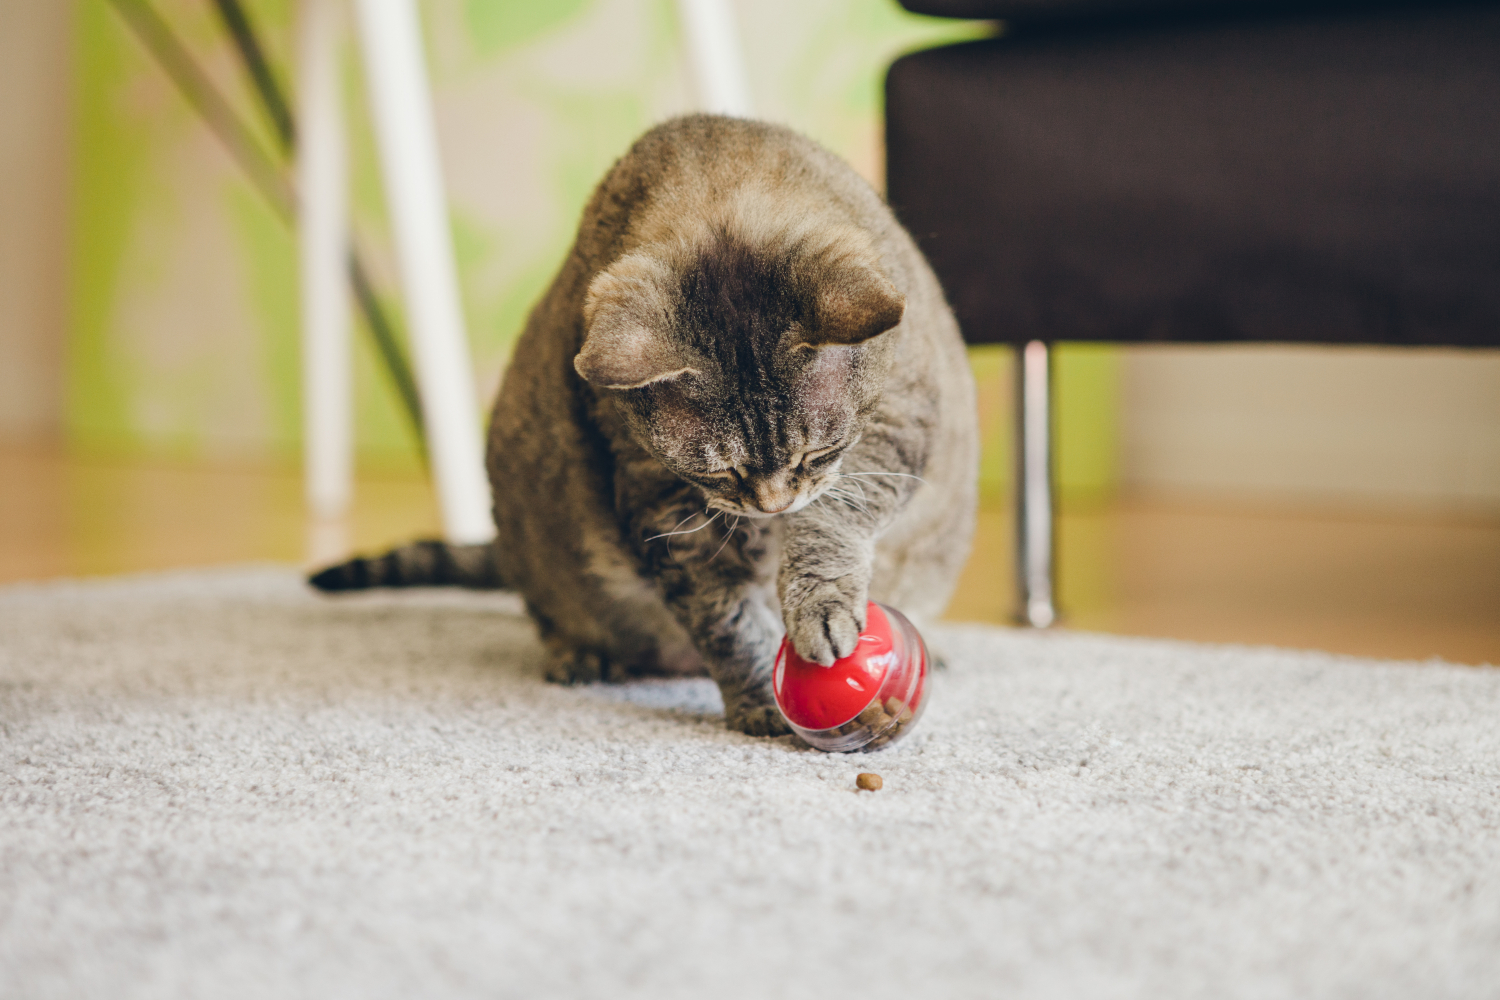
[[742, 407]]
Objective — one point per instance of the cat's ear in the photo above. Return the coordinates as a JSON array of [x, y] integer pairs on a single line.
[[625, 316], [621, 354], [853, 303]]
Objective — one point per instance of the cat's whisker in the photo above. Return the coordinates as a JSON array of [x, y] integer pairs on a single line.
[[700, 527], [689, 531], [679, 524], [727, 536], [840, 498], [847, 498], [906, 475], [857, 485], [685, 520]]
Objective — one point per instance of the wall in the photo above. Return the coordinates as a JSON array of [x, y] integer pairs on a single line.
[[34, 131], [182, 314], [1380, 428], [183, 333]]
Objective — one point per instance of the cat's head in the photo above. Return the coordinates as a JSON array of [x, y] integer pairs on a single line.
[[746, 368]]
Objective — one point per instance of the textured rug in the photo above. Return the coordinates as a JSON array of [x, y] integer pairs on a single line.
[[217, 784]]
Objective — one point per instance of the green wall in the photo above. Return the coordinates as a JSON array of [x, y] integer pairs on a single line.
[[183, 336]]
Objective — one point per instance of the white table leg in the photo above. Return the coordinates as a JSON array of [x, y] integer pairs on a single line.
[[401, 107], [713, 44], [328, 440]]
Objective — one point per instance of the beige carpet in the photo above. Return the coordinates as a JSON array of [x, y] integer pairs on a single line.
[[219, 785]]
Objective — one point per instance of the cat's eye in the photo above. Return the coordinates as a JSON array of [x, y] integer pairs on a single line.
[[817, 453]]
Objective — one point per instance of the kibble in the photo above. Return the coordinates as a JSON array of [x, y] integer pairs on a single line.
[[869, 782], [896, 709], [881, 722]]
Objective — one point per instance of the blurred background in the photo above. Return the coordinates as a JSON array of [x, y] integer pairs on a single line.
[[1338, 498]]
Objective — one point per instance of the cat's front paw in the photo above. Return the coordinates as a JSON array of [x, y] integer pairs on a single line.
[[567, 665], [755, 718], [825, 622]]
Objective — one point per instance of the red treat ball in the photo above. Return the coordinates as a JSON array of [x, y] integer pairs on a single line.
[[867, 698]]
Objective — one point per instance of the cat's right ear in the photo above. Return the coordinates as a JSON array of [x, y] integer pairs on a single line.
[[626, 356], [625, 314]]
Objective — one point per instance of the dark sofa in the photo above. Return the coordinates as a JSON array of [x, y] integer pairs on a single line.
[[1200, 171]]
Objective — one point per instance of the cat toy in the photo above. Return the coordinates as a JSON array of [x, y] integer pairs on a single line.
[[864, 701]]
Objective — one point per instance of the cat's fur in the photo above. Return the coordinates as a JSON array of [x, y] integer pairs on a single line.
[[738, 301]]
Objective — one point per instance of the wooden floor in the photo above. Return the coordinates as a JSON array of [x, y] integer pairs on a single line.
[[1408, 587]]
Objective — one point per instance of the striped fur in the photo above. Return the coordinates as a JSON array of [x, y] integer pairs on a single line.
[[741, 409], [421, 564]]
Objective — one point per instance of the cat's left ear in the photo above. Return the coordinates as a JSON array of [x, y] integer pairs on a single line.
[[853, 303], [625, 315]]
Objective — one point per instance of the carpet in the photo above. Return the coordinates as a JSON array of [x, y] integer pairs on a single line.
[[217, 784]]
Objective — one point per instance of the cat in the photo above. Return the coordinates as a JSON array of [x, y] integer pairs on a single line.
[[742, 408]]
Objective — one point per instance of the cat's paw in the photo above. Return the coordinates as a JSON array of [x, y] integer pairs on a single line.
[[825, 623], [580, 666], [753, 718]]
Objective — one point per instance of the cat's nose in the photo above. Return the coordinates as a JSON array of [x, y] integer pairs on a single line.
[[773, 496]]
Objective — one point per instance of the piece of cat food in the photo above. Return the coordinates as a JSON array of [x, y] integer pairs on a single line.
[[865, 701], [869, 781], [896, 709]]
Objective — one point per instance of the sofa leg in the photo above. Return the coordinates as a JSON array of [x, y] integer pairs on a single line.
[[1035, 494]]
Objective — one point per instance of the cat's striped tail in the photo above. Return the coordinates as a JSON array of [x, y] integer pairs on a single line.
[[420, 564]]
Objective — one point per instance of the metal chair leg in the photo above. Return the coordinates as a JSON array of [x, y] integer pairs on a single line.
[[1035, 495]]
